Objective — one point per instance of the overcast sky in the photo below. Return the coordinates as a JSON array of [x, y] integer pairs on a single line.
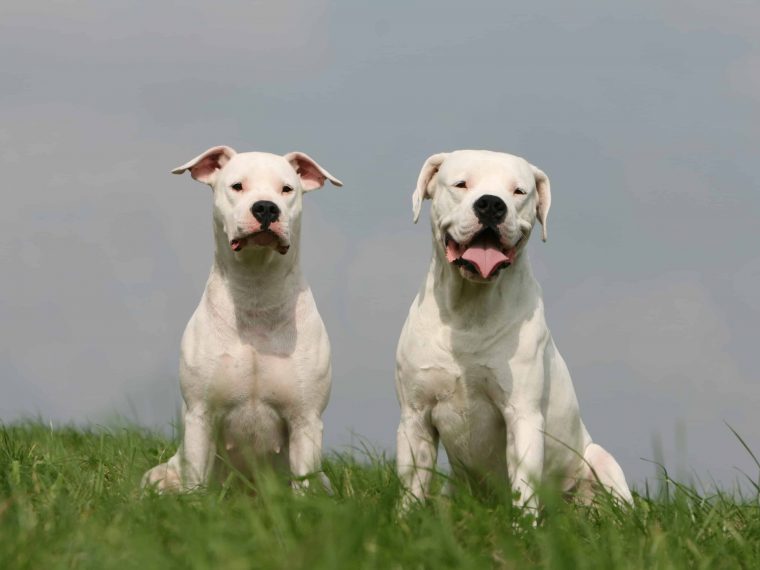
[[645, 115]]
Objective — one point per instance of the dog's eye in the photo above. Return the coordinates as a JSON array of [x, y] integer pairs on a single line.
[[287, 188], [460, 184], [520, 191], [237, 187]]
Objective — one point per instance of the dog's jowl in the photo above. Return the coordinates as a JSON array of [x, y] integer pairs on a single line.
[[476, 365], [255, 357]]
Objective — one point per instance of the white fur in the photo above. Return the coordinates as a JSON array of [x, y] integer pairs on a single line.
[[476, 366], [255, 357]]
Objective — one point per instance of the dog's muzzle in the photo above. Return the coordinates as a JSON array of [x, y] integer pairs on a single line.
[[265, 212], [483, 255], [490, 210], [264, 238]]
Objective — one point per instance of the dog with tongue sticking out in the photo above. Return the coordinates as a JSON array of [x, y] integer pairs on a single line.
[[476, 366]]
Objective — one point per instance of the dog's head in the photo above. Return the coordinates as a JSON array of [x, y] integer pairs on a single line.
[[484, 205], [257, 195]]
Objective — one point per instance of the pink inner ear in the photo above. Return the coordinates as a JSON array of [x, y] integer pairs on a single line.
[[311, 177], [206, 167]]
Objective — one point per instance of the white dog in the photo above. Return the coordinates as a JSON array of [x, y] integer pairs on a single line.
[[476, 364], [255, 357]]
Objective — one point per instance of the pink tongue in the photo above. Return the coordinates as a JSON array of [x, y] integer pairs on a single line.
[[485, 256]]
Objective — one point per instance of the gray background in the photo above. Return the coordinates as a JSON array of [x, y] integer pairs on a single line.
[[645, 116]]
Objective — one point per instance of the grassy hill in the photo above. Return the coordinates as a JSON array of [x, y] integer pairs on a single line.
[[69, 498]]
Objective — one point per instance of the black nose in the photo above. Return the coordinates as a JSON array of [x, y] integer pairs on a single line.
[[490, 210], [265, 212]]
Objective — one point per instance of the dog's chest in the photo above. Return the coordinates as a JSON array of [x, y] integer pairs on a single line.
[[245, 374], [466, 384], [456, 371], [467, 415]]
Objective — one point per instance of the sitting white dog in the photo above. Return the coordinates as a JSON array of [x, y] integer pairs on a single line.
[[255, 357], [476, 365]]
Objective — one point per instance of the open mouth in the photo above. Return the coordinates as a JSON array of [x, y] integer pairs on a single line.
[[263, 238], [484, 255]]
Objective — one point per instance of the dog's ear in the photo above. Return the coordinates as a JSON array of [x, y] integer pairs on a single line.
[[429, 169], [543, 189], [311, 174], [206, 166]]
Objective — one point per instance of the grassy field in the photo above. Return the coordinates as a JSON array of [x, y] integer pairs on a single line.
[[69, 499]]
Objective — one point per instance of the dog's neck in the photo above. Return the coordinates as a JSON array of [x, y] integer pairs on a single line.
[[257, 280], [464, 303]]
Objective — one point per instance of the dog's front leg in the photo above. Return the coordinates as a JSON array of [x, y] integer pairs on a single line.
[[416, 454], [305, 450], [198, 448], [189, 468], [525, 452]]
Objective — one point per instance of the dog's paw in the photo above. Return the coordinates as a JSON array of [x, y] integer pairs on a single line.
[[320, 479], [299, 486], [162, 478]]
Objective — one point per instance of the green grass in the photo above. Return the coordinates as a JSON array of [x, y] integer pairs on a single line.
[[69, 498]]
